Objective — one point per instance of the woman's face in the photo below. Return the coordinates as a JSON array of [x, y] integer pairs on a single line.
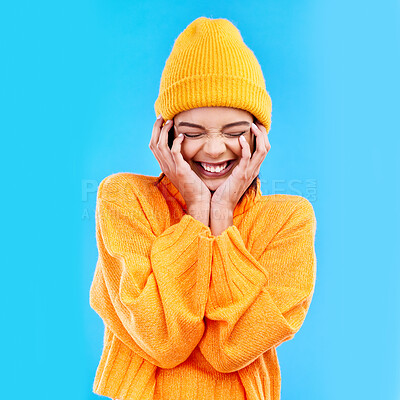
[[214, 140]]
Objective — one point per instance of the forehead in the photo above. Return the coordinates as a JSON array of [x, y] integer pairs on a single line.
[[213, 116]]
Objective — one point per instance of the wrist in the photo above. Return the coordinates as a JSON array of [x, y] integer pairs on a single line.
[[198, 206], [221, 218], [220, 214], [199, 211], [216, 205]]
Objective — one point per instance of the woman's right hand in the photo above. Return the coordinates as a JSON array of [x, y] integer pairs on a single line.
[[196, 194]]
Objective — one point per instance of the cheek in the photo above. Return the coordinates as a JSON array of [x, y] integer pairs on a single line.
[[188, 150]]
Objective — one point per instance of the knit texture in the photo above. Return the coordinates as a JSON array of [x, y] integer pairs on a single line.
[[211, 66], [189, 315]]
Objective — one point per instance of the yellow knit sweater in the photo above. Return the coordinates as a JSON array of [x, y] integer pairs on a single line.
[[189, 315]]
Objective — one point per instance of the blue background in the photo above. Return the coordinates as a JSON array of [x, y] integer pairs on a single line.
[[78, 86]]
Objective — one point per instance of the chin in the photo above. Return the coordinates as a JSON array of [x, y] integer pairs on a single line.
[[213, 186]]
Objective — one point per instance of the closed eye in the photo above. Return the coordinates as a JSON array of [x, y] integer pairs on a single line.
[[193, 136], [202, 134], [235, 134]]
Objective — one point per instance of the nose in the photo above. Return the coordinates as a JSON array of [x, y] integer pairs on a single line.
[[214, 146]]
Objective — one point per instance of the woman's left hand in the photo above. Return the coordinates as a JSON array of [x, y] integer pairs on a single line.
[[228, 194]]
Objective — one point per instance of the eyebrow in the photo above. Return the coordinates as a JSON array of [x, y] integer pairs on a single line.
[[191, 125]]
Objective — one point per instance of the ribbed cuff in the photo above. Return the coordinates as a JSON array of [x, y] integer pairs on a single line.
[[236, 276]]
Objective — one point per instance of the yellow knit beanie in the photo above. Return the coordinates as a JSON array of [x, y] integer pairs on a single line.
[[211, 66]]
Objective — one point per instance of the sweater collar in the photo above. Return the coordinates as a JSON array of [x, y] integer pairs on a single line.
[[248, 200]]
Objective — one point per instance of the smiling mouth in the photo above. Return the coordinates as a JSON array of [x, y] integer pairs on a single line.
[[214, 169]]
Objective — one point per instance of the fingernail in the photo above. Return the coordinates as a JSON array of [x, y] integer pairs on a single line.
[[168, 122], [254, 125], [159, 117]]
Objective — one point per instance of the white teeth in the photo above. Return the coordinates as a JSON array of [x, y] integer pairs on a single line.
[[212, 168]]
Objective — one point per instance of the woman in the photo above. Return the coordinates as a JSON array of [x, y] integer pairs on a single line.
[[200, 277]]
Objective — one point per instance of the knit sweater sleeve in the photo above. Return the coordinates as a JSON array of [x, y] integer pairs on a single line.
[[149, 289], [257, 302]]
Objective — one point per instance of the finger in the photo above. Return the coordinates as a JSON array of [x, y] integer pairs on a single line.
[[163, 137], [154, 140], [260, 139], [162, 144], [263, 129], [176, 153], [261, 147], [165, 160], [156, 132], [246, 155], [268, 144]]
